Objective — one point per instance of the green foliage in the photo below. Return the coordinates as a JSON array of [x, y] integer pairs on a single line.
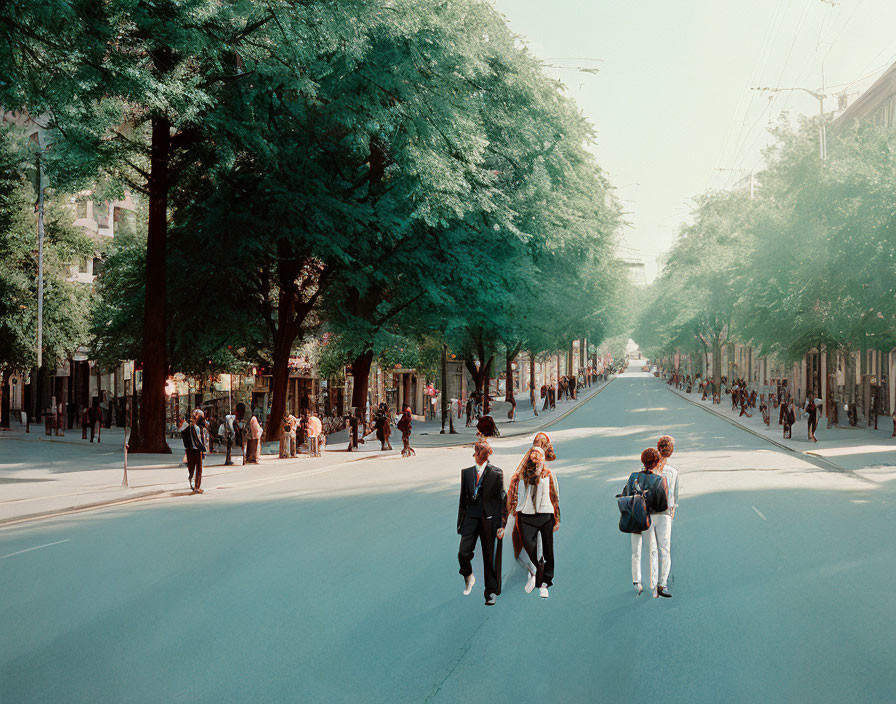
[[66, 302]]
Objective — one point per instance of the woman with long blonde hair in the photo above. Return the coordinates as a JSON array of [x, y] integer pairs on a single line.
[[534, 500]]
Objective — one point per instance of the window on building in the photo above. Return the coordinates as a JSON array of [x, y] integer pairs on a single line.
[[82, 265], [97, 266]]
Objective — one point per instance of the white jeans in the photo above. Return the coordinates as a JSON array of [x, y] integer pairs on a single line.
[[659, 537]]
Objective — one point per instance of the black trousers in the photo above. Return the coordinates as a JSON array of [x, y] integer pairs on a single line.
[[194, 467], [531, 526], [470, 530]]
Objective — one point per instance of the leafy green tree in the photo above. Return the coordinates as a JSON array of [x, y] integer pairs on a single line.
[[66, 302]]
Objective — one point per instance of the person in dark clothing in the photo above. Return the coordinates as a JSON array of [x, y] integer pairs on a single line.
[[545, 394], [95, 418], [486, 427], [552, 397], [404, 425], [192, 437], [481, 515], [789, 419], [812, 411]]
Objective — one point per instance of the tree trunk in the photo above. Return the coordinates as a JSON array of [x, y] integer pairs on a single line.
[[532, 396], [361, 377], [717, 367], [508, 383], [151, 437], [4, 398]]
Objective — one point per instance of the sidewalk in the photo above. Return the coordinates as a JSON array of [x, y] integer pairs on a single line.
[[866, 451], [43, 477]]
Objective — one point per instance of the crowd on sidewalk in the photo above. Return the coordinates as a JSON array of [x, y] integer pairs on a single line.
[[773, 400]]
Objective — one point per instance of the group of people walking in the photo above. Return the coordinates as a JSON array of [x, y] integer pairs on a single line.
[[485, 506], [533, 500]]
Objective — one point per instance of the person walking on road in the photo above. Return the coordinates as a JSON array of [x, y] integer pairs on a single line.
[[481, 515], [647, 479], [662, 520], [253, 441], [544, 442], [192, 437], [404, 425], [534, 500]]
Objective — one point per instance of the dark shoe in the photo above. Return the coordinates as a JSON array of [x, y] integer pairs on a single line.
[[662, 591], [490, 600]]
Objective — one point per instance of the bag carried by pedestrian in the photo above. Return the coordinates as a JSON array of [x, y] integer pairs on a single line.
[[634, 517], [655, 493]]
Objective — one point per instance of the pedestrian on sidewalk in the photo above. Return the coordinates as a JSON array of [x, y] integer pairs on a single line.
[[894, 422], [545, 394], [534, 500], [552, 395], [228, 432], [481, 515], [383, 425], [288, 420], [192, 437], [253, 440], [314, 428], [812, 422], [662, 520], [789, 414], [404, 425], [95, 418], [650, 480], [512, 412]]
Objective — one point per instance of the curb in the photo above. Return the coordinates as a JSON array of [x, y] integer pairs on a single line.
[[810, 457], [85, 507]]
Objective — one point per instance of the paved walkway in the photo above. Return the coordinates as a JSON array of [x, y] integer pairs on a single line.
[[869, 452], [45, 476]]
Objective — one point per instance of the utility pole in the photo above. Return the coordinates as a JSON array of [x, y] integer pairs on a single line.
[[822, 131]]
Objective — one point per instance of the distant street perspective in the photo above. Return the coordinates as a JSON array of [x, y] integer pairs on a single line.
[[465, 351]]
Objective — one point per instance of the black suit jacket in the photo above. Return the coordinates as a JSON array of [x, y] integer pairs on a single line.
[[491, 490], [192, 438]]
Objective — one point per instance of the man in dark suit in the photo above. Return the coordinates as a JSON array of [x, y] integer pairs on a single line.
[[481, 514], [194, 446]]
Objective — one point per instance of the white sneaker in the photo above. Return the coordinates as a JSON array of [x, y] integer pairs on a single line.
[[543, 592], [469, 581], [638, 588], [530, 584]]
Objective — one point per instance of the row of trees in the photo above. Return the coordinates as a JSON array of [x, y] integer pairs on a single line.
[[387, 173], [807, 262]]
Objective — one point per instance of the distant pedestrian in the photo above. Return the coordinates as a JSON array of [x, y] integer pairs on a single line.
[[253, 440], [789, 419], [404, 425], [288, 425], [95, 418], [812, 421], [192, 437], [512, 412], [314, 428], [227, 433]]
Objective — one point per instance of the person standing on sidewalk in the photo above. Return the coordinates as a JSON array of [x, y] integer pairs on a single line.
[[812, 413], [662, 521], [94, 417], [229, 420], [254, 439], [314, 428], [192, 437], [534, 499], [481, 515], [404, 425], [789, 414]]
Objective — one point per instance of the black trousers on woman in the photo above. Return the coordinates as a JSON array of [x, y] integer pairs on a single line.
[[531, 526]]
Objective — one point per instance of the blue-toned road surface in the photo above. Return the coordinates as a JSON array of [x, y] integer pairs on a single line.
[[341, 585]]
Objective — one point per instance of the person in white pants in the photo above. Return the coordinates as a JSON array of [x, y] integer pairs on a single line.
[[662, 522], [651, 461]]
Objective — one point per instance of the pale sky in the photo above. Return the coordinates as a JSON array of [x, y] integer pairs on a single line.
[[672, 100]]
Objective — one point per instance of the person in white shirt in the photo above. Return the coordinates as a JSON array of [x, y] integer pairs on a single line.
[[662, 522], [534, 500]]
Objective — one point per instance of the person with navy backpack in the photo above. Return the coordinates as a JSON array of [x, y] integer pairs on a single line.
[[651, 484]]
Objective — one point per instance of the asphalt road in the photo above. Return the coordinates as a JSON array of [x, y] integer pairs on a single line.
[[341, 585]]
